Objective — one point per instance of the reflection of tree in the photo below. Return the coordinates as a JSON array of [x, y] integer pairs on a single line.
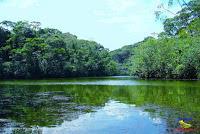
[[50, 105], [167, 102], [182, 98]]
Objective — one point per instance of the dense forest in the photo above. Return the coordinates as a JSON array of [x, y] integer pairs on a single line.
[[174, 54], [28, 51]]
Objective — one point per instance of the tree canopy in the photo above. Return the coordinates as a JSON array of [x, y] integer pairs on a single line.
[[29, 51], [176, 51]]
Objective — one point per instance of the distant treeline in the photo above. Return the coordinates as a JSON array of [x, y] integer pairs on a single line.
[[28, 51], [175, 54]]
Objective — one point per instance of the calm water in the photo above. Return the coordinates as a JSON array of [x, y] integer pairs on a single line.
[[110, 105]]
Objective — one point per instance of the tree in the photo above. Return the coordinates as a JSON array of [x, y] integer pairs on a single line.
[[29, 51]]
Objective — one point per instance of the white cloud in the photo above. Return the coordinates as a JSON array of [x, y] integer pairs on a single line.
[[117, 19], [20, 3], [134, 16], [120, 5], [122, 11], [157, 120]]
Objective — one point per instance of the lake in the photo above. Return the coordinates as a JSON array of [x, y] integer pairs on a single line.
[[104, 105]]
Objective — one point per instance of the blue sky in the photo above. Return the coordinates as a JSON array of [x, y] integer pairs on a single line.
[[112, 23]]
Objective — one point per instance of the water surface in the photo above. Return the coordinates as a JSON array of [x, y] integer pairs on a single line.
[[106, 105]]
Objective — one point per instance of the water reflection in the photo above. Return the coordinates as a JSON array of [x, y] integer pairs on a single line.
[[98, 108], [113, 118]]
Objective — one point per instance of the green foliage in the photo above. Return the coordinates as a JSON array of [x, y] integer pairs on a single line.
[[175, 54], [122, 57], [189, 15], [28, 51], [167, 58]]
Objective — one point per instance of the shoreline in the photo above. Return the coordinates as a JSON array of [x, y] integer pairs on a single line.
[[91, 77]]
